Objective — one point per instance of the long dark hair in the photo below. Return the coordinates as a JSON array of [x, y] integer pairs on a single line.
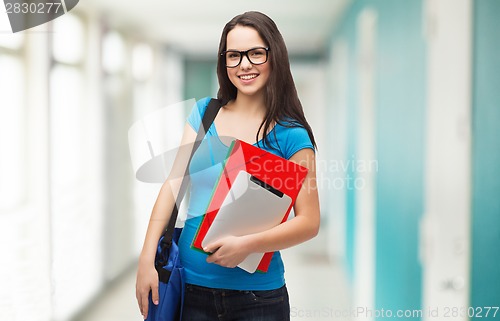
[[280, 96]]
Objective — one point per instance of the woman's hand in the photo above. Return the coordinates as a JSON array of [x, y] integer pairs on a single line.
[[228, 252], [147, 280]]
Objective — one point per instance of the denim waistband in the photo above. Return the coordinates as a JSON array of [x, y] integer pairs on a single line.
[[217, 290]]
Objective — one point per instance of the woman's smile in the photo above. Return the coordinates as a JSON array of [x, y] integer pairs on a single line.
[[248, 78]]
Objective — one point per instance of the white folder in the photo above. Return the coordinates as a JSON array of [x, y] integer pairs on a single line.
[[251, 206]]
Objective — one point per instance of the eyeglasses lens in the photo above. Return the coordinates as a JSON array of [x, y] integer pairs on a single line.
[[256, 56]]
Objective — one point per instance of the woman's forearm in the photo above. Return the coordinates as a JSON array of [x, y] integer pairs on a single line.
[[288, 234], [164, 204], [160, 216]]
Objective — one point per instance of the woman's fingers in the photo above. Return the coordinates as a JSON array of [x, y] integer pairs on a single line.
[[212, 247], [227, 252], [155, 297], [139, 302], [147, 284], [144, 304], [142, 295]]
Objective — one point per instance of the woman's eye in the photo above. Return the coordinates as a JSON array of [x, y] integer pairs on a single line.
[[257, 53], [233, 55]]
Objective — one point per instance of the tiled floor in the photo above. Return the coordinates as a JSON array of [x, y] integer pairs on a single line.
[[317, 288]]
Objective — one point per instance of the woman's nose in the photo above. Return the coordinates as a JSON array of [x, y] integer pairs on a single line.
[[245, 63]]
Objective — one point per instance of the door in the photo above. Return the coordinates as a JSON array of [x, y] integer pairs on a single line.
[[445, 224]]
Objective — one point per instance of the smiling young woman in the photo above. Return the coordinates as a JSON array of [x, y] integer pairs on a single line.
[[260, 107]]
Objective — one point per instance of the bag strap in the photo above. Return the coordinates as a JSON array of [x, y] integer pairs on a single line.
[[208, 118]]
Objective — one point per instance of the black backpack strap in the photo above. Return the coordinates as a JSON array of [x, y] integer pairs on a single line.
[[208, 118]]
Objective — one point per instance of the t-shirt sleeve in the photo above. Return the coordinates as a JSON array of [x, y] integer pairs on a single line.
[[197, 112], [297, 139]]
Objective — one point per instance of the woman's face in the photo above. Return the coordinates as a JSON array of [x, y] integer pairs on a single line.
[[249, 79]]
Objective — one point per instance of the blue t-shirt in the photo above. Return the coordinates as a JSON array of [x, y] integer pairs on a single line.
[[205, 169]]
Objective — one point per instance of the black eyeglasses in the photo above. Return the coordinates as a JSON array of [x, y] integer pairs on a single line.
[[256, 56]]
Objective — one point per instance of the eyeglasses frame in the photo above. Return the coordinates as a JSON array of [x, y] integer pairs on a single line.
[[245, 53]]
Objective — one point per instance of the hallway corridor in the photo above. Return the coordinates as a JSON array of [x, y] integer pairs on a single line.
[[403, 100]]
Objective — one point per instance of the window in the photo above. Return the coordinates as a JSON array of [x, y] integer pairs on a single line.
[[12, 127], [11, 41], [68, 41], [142, 62], [76, 215], [113, 53]]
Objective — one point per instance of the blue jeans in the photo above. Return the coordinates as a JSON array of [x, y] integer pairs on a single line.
[[207, 304]]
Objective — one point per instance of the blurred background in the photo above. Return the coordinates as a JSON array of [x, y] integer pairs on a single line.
[[404, 100]]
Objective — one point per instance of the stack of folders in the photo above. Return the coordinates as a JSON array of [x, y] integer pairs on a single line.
[[255, 192]]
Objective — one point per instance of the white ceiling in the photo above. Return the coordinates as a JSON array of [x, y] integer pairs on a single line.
[[194, 26]]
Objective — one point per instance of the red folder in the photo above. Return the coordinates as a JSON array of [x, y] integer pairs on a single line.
[[282, 174]]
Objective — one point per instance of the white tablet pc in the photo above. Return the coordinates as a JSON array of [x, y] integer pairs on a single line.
[[251, 206]]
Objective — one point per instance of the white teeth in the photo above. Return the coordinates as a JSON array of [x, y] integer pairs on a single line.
[[248, 77]]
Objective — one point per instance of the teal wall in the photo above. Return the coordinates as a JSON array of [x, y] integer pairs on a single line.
[[400, 134], [346, 32], [200, 76], [485, 265], [400, 152]]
